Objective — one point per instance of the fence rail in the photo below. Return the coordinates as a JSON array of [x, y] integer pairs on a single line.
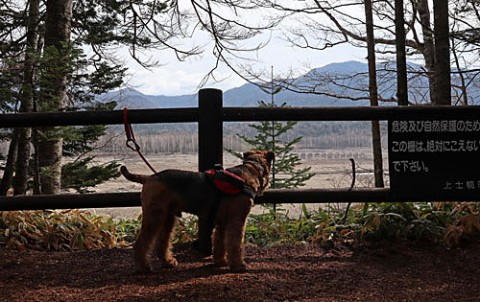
[[236, 114], [272, 196]]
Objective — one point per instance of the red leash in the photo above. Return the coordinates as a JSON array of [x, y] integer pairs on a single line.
[[131, 143]]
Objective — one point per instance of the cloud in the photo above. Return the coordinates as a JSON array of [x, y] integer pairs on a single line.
[[179, 78]]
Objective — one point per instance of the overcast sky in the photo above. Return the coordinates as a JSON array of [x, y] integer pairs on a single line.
[[176, 78]]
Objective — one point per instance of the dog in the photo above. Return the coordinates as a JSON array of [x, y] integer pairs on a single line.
[[165, 195]]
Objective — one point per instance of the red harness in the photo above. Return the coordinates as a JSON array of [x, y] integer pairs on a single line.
[[229, 183]]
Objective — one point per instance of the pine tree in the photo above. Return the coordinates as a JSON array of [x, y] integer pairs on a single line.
[[274, 136], [78, 141]]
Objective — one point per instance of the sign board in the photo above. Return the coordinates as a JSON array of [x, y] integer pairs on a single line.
[[434, 157]]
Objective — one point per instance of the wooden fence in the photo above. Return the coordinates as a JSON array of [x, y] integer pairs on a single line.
[[210, 116]]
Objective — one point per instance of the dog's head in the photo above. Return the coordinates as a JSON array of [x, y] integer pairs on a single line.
[[262, 161]]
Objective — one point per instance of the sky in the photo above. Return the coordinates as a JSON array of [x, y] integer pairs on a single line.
[[177, 78]]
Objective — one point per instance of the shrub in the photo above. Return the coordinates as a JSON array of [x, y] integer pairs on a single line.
[[57, 230], [448, 223]]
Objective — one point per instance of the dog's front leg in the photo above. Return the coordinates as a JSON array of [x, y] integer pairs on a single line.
[[234, 246], [235, 232]]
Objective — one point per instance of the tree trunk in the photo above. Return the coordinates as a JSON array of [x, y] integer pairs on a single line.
[[55, 65], [402, 86], [463, 97], [428, 46], [24, 134], [442, 53], [372, 71], [10, 165], [35, 169]]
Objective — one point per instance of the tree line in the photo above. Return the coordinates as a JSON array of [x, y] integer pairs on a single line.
[[169, 139]]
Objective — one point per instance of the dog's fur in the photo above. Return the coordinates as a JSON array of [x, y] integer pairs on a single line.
[[168, 193]]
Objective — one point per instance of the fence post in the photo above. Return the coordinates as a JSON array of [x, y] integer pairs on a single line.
[[210, 151]]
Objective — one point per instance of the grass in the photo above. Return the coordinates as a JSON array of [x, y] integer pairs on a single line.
[[450, 224]]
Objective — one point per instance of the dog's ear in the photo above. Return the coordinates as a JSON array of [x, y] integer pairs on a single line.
[[247, 154], [270, 156]]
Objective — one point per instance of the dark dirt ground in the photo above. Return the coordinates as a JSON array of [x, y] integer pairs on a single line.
[[403, 272]]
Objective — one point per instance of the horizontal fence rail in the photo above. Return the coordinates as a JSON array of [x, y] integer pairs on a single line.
[[227, 114], [83, 118], [272, 196], [347, 113], [237, 114]]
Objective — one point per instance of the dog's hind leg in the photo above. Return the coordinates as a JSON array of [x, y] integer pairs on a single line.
[[144, 243], [219, 246], [164, 241]]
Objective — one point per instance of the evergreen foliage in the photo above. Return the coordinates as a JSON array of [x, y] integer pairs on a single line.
[[274, 136], [78, 142], [88, 77], [96, 24], [84, 173]]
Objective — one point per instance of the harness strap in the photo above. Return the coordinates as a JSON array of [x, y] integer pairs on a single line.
[[131, 142], [229, 183]]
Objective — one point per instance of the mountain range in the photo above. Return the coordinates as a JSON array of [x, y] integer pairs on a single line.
[[348, 79], [247, 95]]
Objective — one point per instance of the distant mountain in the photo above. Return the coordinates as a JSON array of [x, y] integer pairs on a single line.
[[135, 99], [348, 79], [246, 95]]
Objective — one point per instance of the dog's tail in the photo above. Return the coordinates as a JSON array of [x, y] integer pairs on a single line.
[[133, 177]]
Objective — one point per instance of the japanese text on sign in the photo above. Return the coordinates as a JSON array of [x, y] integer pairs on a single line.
[[430, 146], [435, 157], [435, 126]]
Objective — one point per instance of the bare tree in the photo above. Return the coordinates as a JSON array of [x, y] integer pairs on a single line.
[[428, 46], [327, 24], [231, 27], [372, 72], [442, 53], [402, 79]]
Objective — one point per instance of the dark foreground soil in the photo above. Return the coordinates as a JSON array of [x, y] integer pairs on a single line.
[[400, 273]]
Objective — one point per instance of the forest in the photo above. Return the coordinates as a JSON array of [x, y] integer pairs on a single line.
[[183, 138]]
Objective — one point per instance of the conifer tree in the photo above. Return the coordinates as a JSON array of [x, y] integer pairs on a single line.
[[273, 136]]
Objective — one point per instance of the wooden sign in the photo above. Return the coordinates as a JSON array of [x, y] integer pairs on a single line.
[[431, 157]]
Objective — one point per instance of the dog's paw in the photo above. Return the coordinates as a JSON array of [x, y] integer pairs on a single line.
[[238, 267], [169, 263], [220, 262], [143, 270]]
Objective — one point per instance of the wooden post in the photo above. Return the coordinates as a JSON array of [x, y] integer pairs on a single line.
[[210, 151]]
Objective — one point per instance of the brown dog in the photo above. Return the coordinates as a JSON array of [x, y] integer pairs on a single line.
[[168, 193]]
